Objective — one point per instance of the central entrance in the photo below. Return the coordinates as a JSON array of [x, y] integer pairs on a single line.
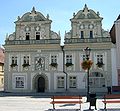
[[41, 84]]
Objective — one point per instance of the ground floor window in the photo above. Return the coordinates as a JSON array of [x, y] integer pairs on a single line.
[[19, 82], [60, 82], [72, 82], [96, 80]]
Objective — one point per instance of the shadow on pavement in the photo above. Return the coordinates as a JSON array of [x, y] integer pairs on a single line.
[[83, 110], [109, 109], [63, 110]]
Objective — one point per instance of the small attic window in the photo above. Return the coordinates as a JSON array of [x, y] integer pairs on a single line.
[[27, 36], [91, 34], [37, 35]]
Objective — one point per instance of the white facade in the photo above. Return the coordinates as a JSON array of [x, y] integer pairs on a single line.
[[114, 67], [35, 61], [117, 32], [87, 31], [114, 32]]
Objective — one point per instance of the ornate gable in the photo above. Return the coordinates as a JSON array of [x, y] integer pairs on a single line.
[[32, 16], [86, 14]]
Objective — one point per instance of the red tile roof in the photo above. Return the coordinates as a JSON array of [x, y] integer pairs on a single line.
[[112, 32], [2, 55]]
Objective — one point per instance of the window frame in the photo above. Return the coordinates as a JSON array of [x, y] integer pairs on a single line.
[[60, 82], [71, 82], [19, 83]]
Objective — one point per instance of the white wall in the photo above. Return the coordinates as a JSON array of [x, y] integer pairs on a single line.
[[117, 27], [114, 69]]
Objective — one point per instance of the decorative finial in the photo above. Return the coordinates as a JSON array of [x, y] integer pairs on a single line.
[[47, 16], [65, 32], [98, 13], [74, 14], [59, 33], [33, 10], [85, 8], [85, 5], [6, 36], [18, 18], [33, 14]]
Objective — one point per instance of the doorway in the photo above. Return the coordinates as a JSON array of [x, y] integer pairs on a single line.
[[41, 84]]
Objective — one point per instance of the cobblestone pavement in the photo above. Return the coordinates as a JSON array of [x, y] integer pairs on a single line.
[[38, 103]]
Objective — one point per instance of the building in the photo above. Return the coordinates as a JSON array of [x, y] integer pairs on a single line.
[[86, 31], [31, 52], [114, 33], [35, 61], [1, 67]]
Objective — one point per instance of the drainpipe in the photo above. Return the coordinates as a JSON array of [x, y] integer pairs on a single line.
[[62, 47]]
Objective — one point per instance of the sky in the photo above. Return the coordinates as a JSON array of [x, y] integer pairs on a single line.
[[60, 12]]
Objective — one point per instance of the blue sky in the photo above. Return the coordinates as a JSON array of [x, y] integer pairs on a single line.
[[60, 12]]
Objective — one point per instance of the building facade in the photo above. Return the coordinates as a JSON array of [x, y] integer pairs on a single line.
[[87, 31], [35, 61], [1, 67], [114, 33]]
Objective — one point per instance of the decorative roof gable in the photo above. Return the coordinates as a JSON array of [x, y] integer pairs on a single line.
[[86, 14], [32, 16]]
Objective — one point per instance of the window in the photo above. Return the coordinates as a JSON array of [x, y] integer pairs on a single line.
[[68, 58], [97, 80], [60, 82], [2, 81], [37, 35], [14, 60], [72, 82], [2, 68], [100, 58], [82, 34], [53, 59], [91, 34], [19, 82], [26, 60], [84, 57], [27, 36]]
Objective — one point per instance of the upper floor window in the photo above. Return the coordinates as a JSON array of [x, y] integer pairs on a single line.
[[37, 35], [84, 57], [2, 81], [100, 61], [100, 58], [2, 68], [82, 34], [26, 60], [68, 58], [27, 36], [91, 34], [53, 59], [14, 60]]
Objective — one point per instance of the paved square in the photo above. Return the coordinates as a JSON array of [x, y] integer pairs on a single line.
[[36, 103]]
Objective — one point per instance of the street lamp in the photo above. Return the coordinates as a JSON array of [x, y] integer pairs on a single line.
[[87, 52]]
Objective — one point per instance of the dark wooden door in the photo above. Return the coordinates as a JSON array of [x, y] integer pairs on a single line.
[[41, 84]]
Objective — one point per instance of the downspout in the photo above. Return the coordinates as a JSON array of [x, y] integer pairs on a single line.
[[62, 47]]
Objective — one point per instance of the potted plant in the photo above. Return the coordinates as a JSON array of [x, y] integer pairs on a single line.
[[100, 64], [25, 65], [69, 64], [86, 64], [13, 65], [54, 64]]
